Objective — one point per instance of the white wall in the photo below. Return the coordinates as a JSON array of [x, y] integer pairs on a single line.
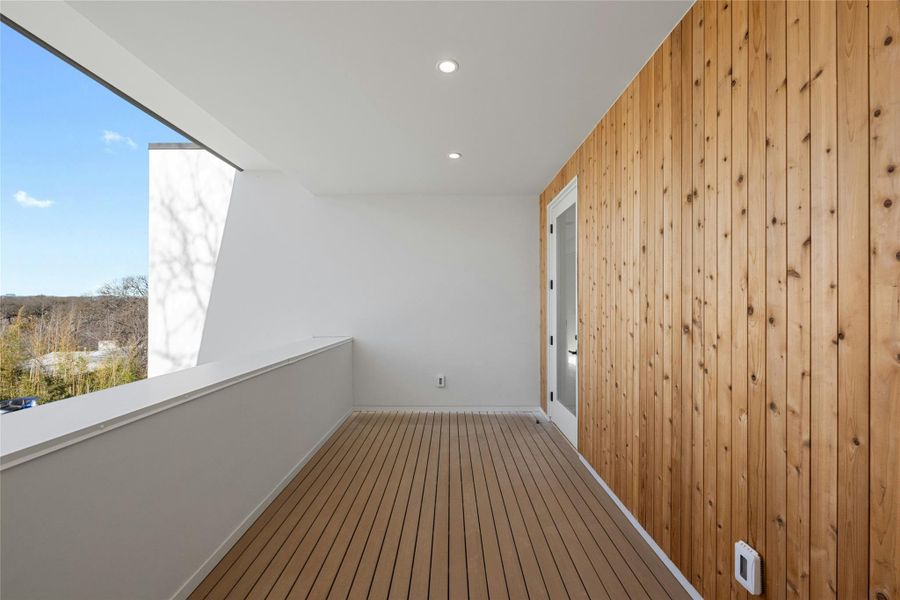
[[134, 512], [189, 194], [425, 285]]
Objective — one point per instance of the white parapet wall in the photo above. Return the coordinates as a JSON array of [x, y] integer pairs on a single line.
[[137, 491], [190, 191]]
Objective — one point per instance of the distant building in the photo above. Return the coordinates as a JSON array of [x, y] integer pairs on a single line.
[[89, 360]]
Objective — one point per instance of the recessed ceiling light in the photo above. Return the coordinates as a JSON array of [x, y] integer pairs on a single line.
[[448, 66], [454, 155]]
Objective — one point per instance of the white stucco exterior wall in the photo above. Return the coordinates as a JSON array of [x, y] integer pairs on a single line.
[[190, 190], [426, 285]]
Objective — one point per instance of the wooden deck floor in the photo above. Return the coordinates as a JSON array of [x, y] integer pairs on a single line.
[[437, 505]]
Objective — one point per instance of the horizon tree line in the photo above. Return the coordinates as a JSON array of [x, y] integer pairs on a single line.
[[70, 326]]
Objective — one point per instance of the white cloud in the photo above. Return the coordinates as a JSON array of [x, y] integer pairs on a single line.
[[31, 202], [114, 137]]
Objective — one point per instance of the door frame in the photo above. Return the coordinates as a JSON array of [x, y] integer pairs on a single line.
[[567, 422]]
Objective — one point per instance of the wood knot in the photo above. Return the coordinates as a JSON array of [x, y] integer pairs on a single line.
[[888, 202]]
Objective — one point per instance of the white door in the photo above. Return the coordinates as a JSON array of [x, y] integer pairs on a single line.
[[562, 314]]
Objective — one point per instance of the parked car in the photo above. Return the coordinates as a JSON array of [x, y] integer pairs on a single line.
[[14, 404]]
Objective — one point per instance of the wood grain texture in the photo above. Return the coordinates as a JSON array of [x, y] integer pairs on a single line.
[[724, 283], [746, 362], [710, 295], [697, 547], [776, 298], [884, 98], [824, 281], [683, 535], [740, 43], [756, 283], [853, 298], [799, 245], [673, 223]]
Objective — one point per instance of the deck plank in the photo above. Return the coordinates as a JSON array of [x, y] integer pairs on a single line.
[[440, 505], [383, 540], [477, 577], [294, 556], [356, 569], [512, 567]]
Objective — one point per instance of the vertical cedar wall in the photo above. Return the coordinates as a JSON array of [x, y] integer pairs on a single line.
[[739, 290]]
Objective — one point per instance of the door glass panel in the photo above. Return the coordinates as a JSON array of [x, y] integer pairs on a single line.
[[566, 316]]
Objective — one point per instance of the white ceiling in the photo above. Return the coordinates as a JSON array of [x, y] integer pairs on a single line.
[[346, 97]]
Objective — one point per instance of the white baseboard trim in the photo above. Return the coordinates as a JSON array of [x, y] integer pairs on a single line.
[[637, 525], [188, 586], [452, 409]]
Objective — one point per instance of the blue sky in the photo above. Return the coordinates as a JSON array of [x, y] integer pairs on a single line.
[[73, 176]]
